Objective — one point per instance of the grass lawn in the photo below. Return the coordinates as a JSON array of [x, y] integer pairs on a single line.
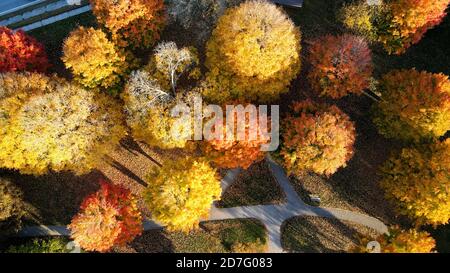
[[254, 186], [321, 235], [212, 237]]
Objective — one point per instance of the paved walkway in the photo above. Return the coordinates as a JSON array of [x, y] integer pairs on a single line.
[[272, 216]]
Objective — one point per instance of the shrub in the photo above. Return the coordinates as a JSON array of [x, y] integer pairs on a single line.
[[253, 54], [198, 16], [415, 105], [181, 192], [317, 138], [53, 245], [12, 208], [148, 107], [132, 23], [232, 152], [47, 124], [340, 65], [169, 64], [401, 241], [107, 218], [93, 59], [406, 21], [21, 52], [417, 181]]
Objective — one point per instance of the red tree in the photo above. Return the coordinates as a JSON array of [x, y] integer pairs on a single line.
[[340, 65], [107, 218], [21, 52]]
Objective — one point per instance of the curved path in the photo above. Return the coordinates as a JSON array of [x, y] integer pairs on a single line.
[[272, 216]]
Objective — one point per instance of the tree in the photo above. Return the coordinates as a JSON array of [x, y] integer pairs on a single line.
[[396, 24], [232, 152], [132, 23], [181, 192], [400, 241], [406, 21], [148, 107], [417, 182], [107, 218], [339, 65], [317, 138], [198, 16], [12, 208], [169, 63], [48, 124], [415, 105], [94, 60], [21, 52], [253, 54]]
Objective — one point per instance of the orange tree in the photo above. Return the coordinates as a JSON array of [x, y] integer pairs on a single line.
[[414, 105], [107, 218], [339, 65], [404, 22], [253, 54], [94, 60], [181, 192], [400, 241], [48, 124], [417, 182], [233, 150], [317, 138], [21, 52], [132, 23]]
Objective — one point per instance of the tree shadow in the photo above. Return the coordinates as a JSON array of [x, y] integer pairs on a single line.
[[133, 147], [153, 241], [53, 199], [115, 164]]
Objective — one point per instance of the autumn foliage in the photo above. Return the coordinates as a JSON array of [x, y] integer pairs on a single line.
[[406, 21], [401, 241], [48, 124], [340, 65], [181, 192], [232, 151], [12, 208], [21, 52], [253, 53], [132, 23], [414, 106], [93, 59], [107, 218], [317, 138], [417, 182]]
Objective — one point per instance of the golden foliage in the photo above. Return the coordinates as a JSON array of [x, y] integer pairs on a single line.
[[107, 218], [400, 241], [12, 207], [181, 192], [253, 53], [93, 59], [359, 18], [415, 105], [132, 23], [48, 124], [340, 65], [417, 181], [317, 138]]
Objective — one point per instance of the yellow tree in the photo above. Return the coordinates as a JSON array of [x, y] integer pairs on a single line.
[[181, 192], [93, 59], [132, 23], [414, 105], [48, 124], [417, 182], [400, 241], [254, 53]]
